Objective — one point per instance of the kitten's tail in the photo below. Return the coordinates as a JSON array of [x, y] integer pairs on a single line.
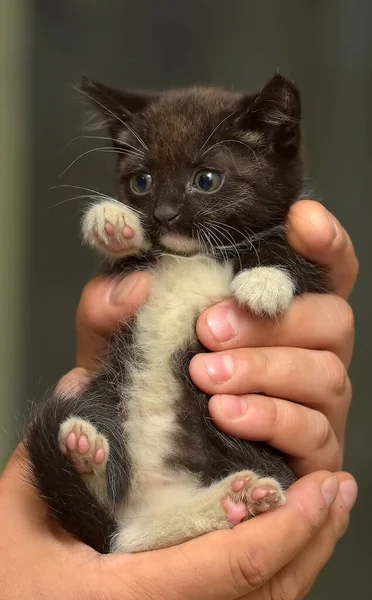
[[69, 499]]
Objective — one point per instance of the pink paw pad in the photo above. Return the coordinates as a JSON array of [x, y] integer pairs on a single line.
[[117, 240], [128, 232], [99, 456], [236, 512], [84, 446], [109, 228], [259, 493]]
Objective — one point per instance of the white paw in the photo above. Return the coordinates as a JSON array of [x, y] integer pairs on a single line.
[[248, 495], [114, 229], [83, 445], [264, 290]]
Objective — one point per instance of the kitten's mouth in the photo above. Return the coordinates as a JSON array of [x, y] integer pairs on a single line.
[[177, 242]]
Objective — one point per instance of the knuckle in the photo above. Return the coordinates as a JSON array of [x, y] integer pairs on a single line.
[[335, 373], [322, 431], [287, 585], [345, 322], [250, 570], [259, 359]]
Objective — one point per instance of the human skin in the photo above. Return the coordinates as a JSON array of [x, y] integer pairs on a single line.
[[300, 364]]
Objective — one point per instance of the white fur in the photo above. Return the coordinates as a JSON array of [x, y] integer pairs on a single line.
[[119, 216], [177, 518], [264, 290], [182, 287], [179, 243]]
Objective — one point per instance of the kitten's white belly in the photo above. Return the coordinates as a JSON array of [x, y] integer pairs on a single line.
[[182, 288]]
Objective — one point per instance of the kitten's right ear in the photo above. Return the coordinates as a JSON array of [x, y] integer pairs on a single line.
[[275, 113], [113, 108]]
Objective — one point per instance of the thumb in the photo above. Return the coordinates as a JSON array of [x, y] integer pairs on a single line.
[[226, 565], [104, 304]]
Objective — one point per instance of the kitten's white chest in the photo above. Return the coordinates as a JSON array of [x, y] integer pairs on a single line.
[[182, 288]]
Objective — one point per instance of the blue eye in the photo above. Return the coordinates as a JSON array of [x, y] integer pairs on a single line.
[[208, 181], [141, 182]]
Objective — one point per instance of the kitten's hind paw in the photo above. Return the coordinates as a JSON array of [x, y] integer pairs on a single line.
[[264, 290], [250, 495], [80, 441]]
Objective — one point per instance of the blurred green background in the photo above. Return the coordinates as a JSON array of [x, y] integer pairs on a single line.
[[325, 46]]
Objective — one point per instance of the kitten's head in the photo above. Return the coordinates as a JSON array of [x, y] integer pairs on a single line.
[[205, 166]]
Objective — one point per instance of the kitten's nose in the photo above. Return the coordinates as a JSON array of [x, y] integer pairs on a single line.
[[166, 214]]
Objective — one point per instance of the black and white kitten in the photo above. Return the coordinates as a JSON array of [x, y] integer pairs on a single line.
[[205, 180]]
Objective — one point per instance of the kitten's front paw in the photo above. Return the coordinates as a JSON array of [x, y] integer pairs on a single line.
[[249, 495], [114, 229], [84, 446], [264, 290]]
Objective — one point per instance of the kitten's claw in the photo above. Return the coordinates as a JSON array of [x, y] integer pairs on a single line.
[[114, 229], [83, 445], [250, 495], [264, 290]]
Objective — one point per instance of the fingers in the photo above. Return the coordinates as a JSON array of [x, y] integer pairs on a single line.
[[291, 373], [319, 237], [301, 433], [226, 565], [73, 383], [316, 379], [318, 322], [104, 304], [297, 577], [250, 390]]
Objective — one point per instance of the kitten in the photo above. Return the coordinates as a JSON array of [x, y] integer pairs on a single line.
[[205, 180]]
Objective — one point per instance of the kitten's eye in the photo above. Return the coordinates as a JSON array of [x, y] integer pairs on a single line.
[[141, 182], [208, 181]]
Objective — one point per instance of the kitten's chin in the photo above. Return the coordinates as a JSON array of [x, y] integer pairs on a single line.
[[179, 243]]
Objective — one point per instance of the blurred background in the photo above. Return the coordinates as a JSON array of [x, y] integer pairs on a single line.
[[325, 46]]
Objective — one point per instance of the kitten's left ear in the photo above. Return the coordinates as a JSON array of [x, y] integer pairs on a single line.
[[275, 113], [113, 107]]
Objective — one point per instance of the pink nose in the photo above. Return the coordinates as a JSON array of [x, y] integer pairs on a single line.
[[166, 214]]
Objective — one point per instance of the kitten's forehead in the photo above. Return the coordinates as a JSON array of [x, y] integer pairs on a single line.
[[180, 122]]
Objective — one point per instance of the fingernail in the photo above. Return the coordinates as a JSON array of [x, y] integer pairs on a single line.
[[349, 492], [219, 367], [233, 406], [333, 223], [330, 489], [123, 288], [223, 323]]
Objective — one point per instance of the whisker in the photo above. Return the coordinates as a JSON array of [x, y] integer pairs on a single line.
[[99, 137], [96, 194], [110, 112], [240, 233], [230, 239], [215, 129], [106, 149]]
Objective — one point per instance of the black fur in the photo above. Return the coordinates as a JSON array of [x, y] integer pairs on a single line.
[[255, 141]]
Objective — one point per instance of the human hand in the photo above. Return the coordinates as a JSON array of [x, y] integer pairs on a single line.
[[216, 563], [277, 555], [289, 385]]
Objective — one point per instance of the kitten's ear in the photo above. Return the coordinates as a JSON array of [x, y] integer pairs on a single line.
[[112, 108], [275, 113]]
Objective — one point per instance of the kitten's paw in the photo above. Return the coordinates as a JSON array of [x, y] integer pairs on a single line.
[[84, 446], [264, 290], [114, 229], [249, 495]]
